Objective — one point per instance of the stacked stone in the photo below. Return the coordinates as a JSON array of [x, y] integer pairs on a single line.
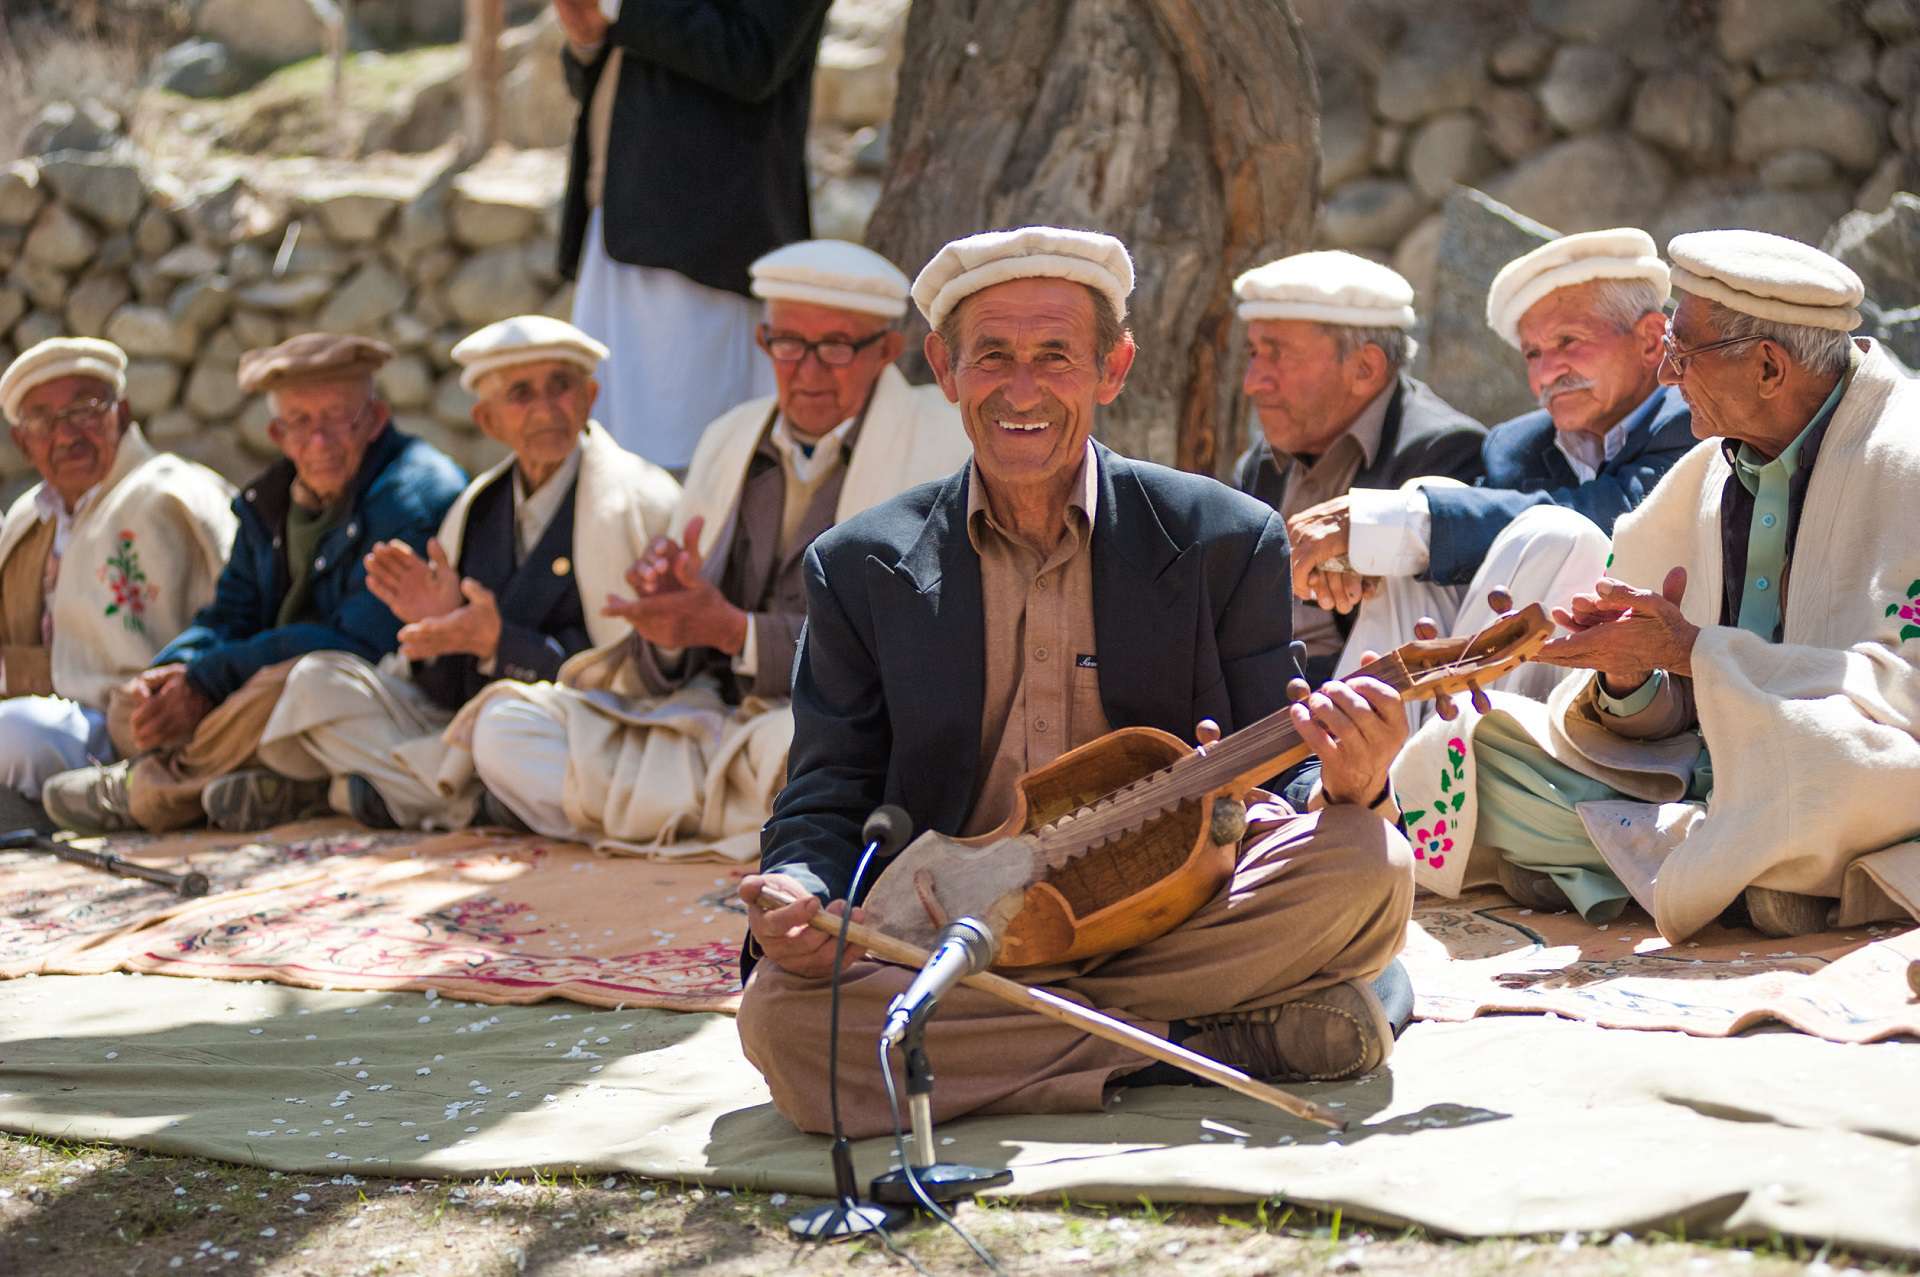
[[91, 244], [1780, 115]]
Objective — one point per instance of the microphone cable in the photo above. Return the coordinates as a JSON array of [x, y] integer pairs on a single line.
[[833, 1038], [900, 1149]]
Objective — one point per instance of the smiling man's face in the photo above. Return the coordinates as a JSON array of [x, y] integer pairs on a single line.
[[1027, 378]]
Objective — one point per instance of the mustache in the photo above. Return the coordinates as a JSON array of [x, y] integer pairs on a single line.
[[1560, 386], [996, 408]]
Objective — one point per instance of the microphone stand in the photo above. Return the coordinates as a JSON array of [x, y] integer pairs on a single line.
[[924, 1178], [848, 1215]]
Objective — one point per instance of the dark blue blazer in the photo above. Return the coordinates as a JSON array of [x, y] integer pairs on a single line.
[[542, 621], [1524, 469], [402, 491], [890, 681]]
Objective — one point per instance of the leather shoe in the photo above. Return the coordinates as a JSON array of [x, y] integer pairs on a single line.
[[1329, 1034]]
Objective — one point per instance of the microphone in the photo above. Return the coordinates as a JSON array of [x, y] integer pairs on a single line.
[[887, 830], [966, 947]]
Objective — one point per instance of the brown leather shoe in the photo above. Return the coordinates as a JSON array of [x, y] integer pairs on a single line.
[[1786, 913], [1532, 889], [1328, 1034]]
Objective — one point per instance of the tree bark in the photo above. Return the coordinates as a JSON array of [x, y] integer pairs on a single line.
[[484, 21], [1187, 128]]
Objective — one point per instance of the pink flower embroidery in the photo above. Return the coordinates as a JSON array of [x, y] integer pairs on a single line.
[[127, 582], [1907, 613], [1432, 845]]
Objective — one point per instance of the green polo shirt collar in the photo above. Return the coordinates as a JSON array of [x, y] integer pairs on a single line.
[[1770, 485]]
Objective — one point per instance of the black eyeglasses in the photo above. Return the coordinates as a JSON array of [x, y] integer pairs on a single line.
[[834, 352]]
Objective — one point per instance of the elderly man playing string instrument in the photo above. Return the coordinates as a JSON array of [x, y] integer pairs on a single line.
[[1584, 311], [1327, 353], [980, 627], [294, 584], [101, 563], [679, 728], [1751, 726], [509, 589]]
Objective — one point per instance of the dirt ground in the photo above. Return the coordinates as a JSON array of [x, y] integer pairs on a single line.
[[83, 1209]]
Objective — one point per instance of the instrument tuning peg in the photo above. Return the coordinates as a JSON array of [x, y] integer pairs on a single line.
[[1426, 628], [1298, 650], [1445, 707], [1479, 698], [1500, 599], [1298, 689]]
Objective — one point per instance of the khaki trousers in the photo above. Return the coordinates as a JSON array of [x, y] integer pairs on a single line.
[[164, 787], [1316, 900]]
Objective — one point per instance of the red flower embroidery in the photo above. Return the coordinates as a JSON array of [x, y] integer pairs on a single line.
[[1432, 845], [127, 581]]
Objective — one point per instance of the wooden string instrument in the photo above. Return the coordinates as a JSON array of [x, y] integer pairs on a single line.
[[1121, 840]]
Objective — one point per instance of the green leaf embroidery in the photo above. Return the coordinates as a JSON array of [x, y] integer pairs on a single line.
[[1913, 591], [1445, 783], [1458, 799], [1413, 817], [1909, 631], [1892, 608]]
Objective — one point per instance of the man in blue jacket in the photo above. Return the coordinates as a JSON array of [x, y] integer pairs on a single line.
[[294, 584], [1585, 312]]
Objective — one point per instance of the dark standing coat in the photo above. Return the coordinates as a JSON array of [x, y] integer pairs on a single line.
[[706, 155], [889, 688], [403, 490], [1524, 469]]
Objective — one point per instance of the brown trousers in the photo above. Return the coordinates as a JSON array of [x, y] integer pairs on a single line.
[[1315, 901], [163, 788]]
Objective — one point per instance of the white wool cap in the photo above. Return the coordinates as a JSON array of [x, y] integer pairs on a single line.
[[61, 357], [968, 265], [1626, 252], [1768, 276], [832, 272], [1329, 288], [524, 339]]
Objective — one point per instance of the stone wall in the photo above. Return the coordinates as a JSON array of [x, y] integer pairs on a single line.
[[1780, 115], [186, 278]]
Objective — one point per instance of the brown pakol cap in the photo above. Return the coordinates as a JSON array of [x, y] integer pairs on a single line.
[[311, 357]]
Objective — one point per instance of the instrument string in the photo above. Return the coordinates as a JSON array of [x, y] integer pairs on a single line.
[[1194, 775]]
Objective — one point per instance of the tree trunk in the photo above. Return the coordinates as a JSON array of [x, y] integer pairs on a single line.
[[484, 21], [1187, 128]]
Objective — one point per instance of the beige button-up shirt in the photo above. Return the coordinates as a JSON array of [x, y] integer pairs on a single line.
[[1042, 665]]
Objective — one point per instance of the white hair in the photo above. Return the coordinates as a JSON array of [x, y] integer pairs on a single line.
[[1822, 351], [1625, 302], [1394, 343]]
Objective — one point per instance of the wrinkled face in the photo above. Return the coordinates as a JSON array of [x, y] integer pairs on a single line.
[[1720, 386], [69, 429], [1299, 384], [536, 409], [806, 344], [1027, 379], [324, 428], [1586, 371]]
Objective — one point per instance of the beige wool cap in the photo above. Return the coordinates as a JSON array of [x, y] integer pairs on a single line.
[[61, 357], [1769, 277], [831, 272], [968, 265], [1626, 252], [311, 357], [1329, 287], [523, 339]]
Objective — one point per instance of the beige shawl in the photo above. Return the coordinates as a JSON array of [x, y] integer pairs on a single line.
[[1815, 740], [142, 559]]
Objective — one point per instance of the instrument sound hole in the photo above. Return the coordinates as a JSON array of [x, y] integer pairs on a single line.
[[1115, 872]]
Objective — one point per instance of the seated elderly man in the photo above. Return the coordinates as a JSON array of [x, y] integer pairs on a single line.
[[101, 562], [680, 728], [294, 585], [974, 629], [509, 589], [1585, 313], [1756, 643], [1327, 351]]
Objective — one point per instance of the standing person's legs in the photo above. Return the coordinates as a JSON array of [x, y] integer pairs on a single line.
[[682, 353], [1316, 901]]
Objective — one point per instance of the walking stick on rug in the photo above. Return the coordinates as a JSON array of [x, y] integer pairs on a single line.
[[190, 885], [1057, 1008]]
